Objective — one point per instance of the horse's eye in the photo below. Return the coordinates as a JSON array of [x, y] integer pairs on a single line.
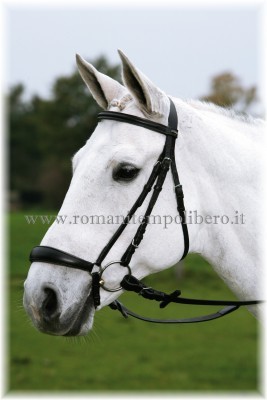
[[125, 172]]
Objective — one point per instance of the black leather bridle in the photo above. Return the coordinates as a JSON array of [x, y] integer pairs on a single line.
[[165, 162]]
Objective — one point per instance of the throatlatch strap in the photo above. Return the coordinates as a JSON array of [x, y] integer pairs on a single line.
[[180, 203], [173, 118], [173, 122]]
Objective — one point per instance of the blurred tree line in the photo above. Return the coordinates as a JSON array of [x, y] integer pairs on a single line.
[[227, 91], [45, 133]]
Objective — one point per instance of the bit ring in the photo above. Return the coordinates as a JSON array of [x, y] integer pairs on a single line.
[[102, 282]]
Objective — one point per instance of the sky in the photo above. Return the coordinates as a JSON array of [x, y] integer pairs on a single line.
[[180, 48]]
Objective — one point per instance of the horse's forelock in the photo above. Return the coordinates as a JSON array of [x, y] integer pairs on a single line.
[[121, 103]]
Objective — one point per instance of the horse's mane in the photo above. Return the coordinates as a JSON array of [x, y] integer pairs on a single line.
[[200, 105], [227, 112]]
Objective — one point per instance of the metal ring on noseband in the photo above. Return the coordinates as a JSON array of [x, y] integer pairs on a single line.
[[102, 282]]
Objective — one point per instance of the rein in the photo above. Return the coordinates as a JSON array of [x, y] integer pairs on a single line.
[[165, 162]]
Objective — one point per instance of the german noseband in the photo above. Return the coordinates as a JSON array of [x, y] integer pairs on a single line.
[[165, 162]]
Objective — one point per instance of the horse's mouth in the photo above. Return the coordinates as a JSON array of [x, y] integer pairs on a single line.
[[84, 319]]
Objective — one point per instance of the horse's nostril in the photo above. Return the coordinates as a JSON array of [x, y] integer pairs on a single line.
[[50, 306]]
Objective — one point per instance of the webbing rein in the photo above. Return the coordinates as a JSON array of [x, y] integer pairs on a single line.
[[165, 162]]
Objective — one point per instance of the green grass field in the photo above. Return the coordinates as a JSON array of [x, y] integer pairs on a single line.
[[128, 355]]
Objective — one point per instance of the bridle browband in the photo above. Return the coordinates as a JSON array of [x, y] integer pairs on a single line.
[[165, 162]]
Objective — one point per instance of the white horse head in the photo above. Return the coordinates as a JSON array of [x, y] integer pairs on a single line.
[[109, 173]]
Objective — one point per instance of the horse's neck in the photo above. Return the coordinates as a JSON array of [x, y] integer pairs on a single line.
[[216, 157]]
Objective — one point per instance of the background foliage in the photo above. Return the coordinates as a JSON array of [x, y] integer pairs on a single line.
[[45, 133]]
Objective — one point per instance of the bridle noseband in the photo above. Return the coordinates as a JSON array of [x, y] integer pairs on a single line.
[[165, 162]]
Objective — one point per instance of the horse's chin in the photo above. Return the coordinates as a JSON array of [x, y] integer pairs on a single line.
[[83, 323], [83, 330]]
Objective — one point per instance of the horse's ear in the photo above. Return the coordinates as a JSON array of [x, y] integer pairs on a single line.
[[148, 96], [103, 88]]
